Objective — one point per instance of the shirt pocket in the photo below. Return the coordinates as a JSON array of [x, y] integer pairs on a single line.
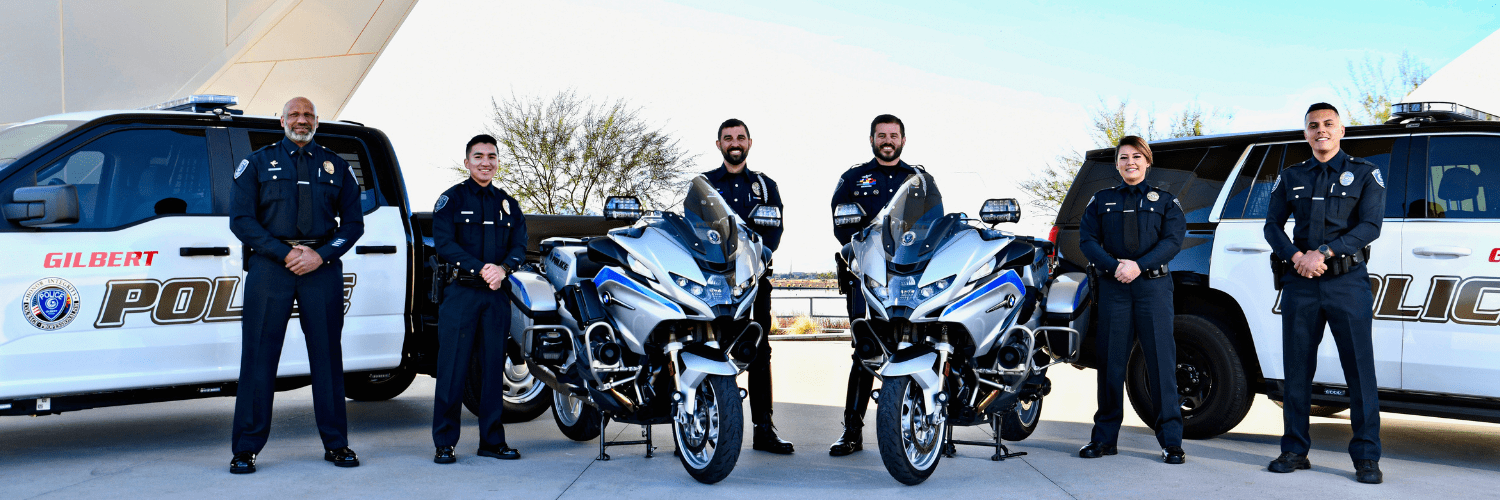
[[1341, 204], [277, 184]]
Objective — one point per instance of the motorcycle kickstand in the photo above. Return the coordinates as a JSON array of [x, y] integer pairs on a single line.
[[1001, 452], [603, 457], [646, 433], [950, 450]]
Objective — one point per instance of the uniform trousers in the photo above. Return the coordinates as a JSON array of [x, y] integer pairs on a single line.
[[471, 321], [760, 369], [270, 290], [861, 381], [1141, 309], [1343, 303]]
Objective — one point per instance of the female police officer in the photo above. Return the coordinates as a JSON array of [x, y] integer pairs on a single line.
[[1129, 233]]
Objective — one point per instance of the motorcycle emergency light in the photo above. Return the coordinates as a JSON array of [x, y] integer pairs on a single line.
[[1000, 210], [765, 215], [848, 214], [622, 208]]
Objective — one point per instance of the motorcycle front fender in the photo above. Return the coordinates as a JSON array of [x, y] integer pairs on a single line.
[[917, 361], [697, 366]]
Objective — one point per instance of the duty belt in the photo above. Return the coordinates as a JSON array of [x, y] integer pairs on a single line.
[[468, 279], [1337, 265], [307, 243], [1149, 273]]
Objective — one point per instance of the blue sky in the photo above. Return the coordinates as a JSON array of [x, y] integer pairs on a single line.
[[990, 91]]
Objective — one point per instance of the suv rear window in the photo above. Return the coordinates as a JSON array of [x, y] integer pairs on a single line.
[[1194, 175]]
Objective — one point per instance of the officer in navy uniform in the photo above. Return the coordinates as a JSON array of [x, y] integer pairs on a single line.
[[1338, 201], [478, 228], [285, 200], [871, 185], [1129, 233], [744, 190]]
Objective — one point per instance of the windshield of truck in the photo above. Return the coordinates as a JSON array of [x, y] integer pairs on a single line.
[[18, 140], [907, 219]]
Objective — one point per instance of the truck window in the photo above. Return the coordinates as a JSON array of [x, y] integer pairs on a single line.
[[350, 149], [136, 174], [1234, 207], [1463, 178]]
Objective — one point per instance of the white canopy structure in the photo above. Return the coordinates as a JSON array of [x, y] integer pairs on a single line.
[[1471, 79]]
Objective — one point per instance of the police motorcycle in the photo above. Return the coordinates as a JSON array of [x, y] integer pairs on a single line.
[[954, 324], [649, 324]]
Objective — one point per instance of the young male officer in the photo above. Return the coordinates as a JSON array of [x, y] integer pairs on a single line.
[[1338, 201], [744, 190], [479, 228], [871, 185], [295, 205]]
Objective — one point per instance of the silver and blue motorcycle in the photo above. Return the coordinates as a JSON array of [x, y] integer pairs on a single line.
[[962, 322], [649, 324]]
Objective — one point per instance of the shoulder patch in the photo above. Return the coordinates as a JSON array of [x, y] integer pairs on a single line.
[[1378, 179], [241, 169], [840, 186], [1276, 184], [441, 202]]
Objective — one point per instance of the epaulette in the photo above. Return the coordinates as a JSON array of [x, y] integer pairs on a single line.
[[918, 168], [1356, 159]]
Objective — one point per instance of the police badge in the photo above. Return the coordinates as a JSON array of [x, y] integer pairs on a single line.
[[755, 188], [328, 167], [1346, 178], [1152, 196]]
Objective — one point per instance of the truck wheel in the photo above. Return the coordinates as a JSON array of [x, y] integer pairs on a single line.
[[1019, 424], [1211, 381], [525, 397], [377, 385], [576, 419], [1321, 410]]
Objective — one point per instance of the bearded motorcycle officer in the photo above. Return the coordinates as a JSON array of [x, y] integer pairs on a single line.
[[1338, 202], [295, 205], [744, 190], [477, 227], [871, 185]]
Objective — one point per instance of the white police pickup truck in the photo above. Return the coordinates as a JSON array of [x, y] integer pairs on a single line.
[[123, 283], [1434, 271]]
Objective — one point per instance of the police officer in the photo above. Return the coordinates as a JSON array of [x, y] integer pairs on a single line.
[[478, 228], [1338, 201], [1129, 233], [295, 206], [745, 190], [870, 185]]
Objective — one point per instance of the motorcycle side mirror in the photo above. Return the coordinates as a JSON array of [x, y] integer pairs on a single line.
[[848, 215], [766, 215], [626, 208], [1000, 210], [43, 206]]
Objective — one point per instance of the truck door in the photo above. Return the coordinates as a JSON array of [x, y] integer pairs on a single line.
[[1452, 260], [1241, 265], [374, 271], [140, 292]]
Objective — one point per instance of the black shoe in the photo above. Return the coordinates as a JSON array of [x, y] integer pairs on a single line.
[[1173, 455], [444, 455], [1289, 462], [342, 457], [1095, 450], [500, 451], [1368, 471], [850, 442], [244, 463], [765, 439]]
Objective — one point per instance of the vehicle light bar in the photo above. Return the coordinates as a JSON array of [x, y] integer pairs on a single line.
[[199, 103], [1439, 110]]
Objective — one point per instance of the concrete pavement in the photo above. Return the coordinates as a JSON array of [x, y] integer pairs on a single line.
[[181, 450]]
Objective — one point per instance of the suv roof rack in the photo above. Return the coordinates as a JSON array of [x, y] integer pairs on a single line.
[[201, 103], [1436, 111]]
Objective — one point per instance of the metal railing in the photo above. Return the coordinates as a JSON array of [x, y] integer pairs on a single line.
[[811, 311]]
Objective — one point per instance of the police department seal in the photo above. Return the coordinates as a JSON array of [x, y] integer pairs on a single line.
[[50, 304], [241, 169]]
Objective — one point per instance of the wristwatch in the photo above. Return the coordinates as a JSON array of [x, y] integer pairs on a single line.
[[1327, 254]]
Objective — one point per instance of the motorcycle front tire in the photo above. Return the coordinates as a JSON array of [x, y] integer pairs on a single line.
[[712, 466], [900, 406]]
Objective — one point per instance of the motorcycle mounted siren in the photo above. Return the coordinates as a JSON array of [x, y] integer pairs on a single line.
[[626, 208], [848, 214], [999, 210]]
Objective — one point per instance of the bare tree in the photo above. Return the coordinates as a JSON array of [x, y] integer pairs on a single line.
[[566, 154], [1373, 88]]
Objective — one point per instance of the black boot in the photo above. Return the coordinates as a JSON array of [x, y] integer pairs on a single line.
[[765, 439], [856, 400], [850, 442]]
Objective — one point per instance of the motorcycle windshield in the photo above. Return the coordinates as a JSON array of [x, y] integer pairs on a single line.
[[908, 219], [714, 226]]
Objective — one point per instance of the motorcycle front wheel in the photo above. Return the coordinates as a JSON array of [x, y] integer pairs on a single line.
[[709, 438], [909, 431]]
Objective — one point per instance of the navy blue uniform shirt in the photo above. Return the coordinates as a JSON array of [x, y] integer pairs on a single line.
[[871, 185], [1351, 198], [263, 207], [474, 225], [745, 191], [1160, 227]]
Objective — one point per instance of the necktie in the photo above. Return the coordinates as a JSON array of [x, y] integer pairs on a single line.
[[1318, 232], [304, 195], [491, 238], [1132, 224]]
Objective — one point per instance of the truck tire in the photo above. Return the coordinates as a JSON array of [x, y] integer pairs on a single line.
[[526, 398], [1211, 380], [378, 385], [1322, 410]]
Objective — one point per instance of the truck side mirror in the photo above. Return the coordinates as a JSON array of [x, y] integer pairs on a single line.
[[766, 215], [43, 206], [626, 208], [1000, 210], [848, 215]]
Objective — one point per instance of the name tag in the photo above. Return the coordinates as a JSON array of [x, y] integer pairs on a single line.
[[303, 182], [1296, 188]]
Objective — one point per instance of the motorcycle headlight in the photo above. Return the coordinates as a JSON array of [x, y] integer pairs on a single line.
[[880, 291], [933, 288], [742, 287], [715, 292]]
